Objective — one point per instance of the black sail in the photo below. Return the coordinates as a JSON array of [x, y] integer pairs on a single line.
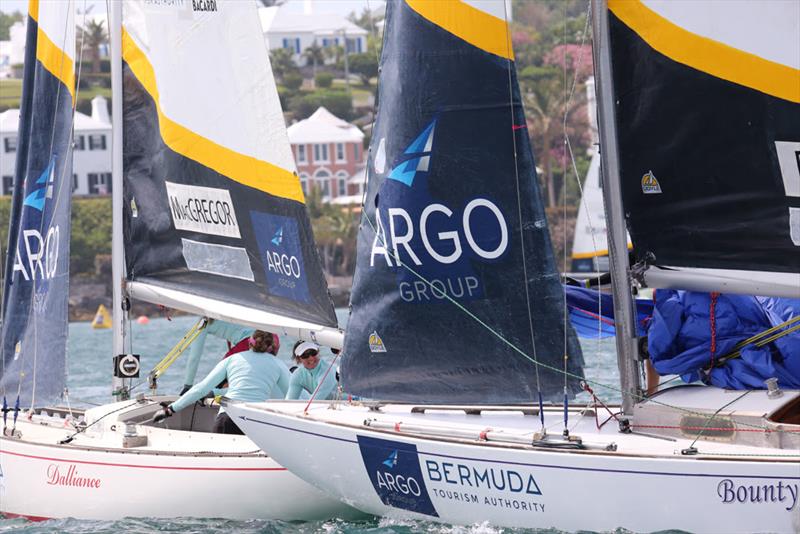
[[215, 219], [455, 293], [709, 132]]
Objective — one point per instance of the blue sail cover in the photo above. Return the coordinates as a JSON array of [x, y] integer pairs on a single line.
[[37, 266], [453, 227], [681, 333], [592, 313]]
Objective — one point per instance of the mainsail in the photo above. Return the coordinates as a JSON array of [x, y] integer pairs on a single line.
[[456, 296], [708, 114], [214, 214], [37, 266]]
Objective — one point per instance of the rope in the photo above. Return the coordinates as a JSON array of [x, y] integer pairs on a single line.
[[322, 381], [188, 338], [712, 318]]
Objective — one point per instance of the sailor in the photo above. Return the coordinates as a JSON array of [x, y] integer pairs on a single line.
[[311, 372], [253, 375], [235, 335]]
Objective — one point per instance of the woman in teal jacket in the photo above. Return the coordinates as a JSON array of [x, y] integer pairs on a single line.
[[311, 372], [253, 376]]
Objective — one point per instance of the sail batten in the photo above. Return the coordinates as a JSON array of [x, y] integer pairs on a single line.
[[453, 229]]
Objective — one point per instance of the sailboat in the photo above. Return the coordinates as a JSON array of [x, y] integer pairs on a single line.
[[205, 174], [470, 417]]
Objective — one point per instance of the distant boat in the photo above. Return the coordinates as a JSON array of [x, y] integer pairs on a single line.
[[102, 319], [224, 165]]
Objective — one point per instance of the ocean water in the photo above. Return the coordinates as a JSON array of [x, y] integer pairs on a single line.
[[89, 382]]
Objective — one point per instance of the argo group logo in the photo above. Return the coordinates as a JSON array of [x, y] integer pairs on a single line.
[[281, 254], [393, 467], [438, 239]]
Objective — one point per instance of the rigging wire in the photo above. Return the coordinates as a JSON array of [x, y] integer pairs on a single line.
[[526, 280]]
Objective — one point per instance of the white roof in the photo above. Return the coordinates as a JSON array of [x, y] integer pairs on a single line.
[[9, 122], [279, 19], [324, 127]]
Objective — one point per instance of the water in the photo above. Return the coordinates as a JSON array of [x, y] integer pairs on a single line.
[[89, 382]]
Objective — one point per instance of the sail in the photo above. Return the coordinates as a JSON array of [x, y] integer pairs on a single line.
[[708, 115], [455, 293], [214, 215], [36, 285]]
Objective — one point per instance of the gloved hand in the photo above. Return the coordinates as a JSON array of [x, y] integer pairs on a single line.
[[186, 387], [163, 414]]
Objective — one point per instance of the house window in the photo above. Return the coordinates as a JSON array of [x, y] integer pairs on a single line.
[[321, 153], [97, 142], [292, 44], [323, 181], [304, 183], [354, 46], [341, 183], [79, 142], [10, 144], [357, 152], [301, 153], [74, 182], [339, 151], [99, 183], [8, 185]]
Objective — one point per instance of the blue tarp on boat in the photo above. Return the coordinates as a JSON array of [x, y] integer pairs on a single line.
[[680, 339], [592, 313]]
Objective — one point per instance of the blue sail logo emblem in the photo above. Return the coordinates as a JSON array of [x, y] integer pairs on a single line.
[[416, 158], [277, 239], [391, 461], [37, 197]]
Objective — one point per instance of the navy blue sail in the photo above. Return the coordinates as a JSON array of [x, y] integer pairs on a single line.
[[37, 267], [455, 295]]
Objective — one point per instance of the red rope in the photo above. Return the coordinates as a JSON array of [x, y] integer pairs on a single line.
[[712, 312], [595, 400]]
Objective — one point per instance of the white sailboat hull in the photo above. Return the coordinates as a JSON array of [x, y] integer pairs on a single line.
[[178, 474], [646, 485]]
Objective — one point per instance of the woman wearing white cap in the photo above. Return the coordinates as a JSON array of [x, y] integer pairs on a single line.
[[308, 376]]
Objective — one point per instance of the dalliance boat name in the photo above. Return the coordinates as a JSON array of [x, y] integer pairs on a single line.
[[55, 477]]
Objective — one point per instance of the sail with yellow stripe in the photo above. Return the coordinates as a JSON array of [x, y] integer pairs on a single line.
[[708, 120], [215, 219], [37, 266]]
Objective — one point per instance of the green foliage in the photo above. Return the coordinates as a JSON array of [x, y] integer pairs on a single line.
[[337, 102], [282, 62], [6, 21], [365, 65], [91, 232], [323, 80], [293, 81], [314, 55]]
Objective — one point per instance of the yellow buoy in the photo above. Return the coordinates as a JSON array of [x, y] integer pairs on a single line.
[[102, 319]]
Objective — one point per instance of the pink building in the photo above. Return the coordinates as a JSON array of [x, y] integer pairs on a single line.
[[328, 151]]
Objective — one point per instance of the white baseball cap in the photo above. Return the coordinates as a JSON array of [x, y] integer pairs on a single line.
[[304, 346]]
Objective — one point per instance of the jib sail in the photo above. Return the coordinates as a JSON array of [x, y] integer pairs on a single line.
[[455, 293], [708, 115], [215, 220], [36, 285]]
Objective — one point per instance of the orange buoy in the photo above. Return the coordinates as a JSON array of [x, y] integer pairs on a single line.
[[142, 319]]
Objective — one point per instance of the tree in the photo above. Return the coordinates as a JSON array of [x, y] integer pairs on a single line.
[[334, 53], [365, 65], [282, 62], [6, 21], [92, 37], [323, 80], [315, 56]]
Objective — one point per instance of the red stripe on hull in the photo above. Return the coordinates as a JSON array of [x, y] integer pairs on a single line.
[[9, 515], [139, 466]]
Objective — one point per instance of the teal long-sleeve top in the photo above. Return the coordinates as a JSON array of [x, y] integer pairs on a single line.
[[252, 377], [308, 379], [232, 333]]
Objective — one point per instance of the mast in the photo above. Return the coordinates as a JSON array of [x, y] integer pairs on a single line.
[[118, 310], [625, 318]]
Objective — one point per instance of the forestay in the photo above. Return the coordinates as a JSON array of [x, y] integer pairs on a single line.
[[456, 292], [215, 221], [36, 286], [708, 114]]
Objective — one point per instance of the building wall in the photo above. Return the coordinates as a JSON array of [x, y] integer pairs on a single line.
[[327, 168], [91, 162]]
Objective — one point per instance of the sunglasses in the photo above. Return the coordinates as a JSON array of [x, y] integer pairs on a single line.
[[307, 354]]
